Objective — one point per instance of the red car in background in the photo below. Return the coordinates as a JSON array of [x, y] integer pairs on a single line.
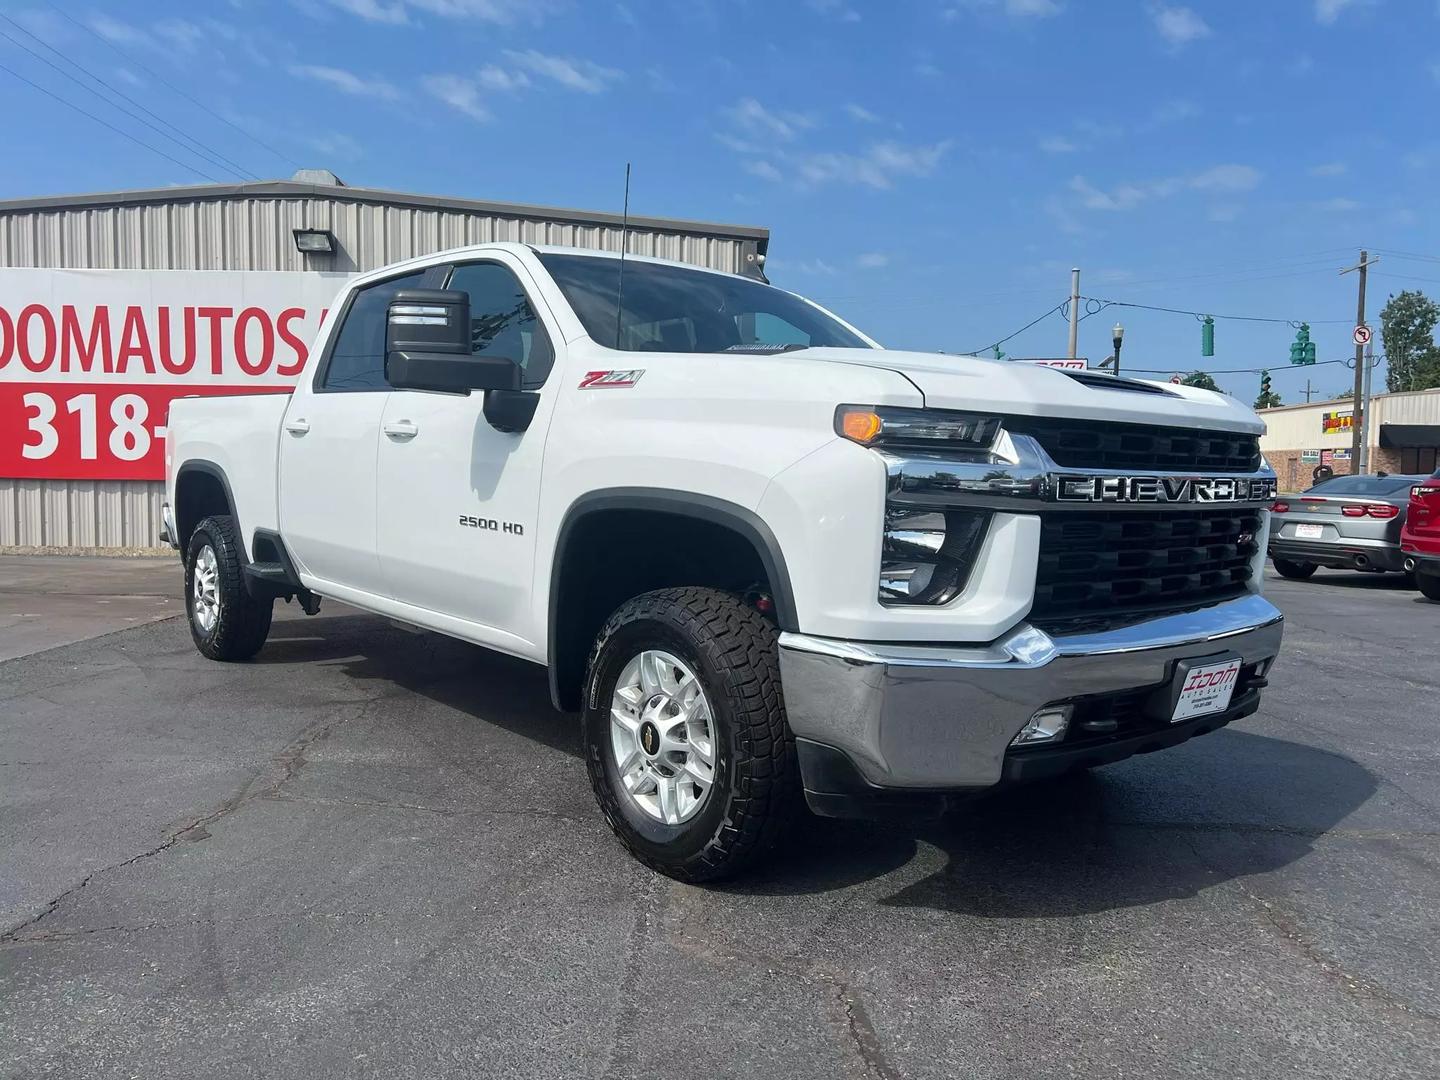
[[1420, 542]]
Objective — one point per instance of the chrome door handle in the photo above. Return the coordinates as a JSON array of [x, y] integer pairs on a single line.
[[400, 429], [298, 426]]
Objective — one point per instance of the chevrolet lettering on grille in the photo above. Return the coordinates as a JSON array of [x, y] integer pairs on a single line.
[[1164, 489]]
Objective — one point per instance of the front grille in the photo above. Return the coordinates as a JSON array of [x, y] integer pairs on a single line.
[[1090, 444], [1101, 568]]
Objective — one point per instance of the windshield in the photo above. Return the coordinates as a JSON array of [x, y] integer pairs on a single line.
[[1365, 485], [672, 309]]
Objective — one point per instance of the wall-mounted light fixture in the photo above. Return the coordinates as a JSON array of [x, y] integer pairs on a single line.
[[314, 241]]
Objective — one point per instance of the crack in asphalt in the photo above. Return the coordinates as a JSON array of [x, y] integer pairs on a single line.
[[1290, 932], [442, 811], [621, 1054], [290, 760]]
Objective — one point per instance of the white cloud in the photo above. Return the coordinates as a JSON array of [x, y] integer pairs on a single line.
[[373, 10], [496, 78], [862, 114], [764, 170], [879, 166], [815, 267], [1016, 9], [459, 93], [834, 9], [347, 82], [1329, 168], [757, 121], [1178, 25], [337, 146], [872, 260], [1226, 178], [1223, 212], [1327, 11], [1337, 206], [117, 32], [582, 75], [396, 12], [1058, 144], [1127, 196]]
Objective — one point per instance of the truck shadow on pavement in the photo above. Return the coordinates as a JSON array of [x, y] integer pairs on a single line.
[[1157, 827]]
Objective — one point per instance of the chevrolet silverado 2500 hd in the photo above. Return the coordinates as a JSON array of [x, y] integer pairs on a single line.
[[758, 553]]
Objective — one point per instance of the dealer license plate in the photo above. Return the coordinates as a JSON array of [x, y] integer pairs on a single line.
[[1309, 532], [1206, 689]]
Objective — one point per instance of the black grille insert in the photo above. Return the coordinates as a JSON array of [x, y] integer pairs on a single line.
[[1092, 444], [1102, 568]]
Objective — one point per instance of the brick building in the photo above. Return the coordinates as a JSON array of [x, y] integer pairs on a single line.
[[1404, 437]]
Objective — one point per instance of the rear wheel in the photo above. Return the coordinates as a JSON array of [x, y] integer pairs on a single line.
[[686, 742], [226, 622], [1429, 585], [1299, 571]]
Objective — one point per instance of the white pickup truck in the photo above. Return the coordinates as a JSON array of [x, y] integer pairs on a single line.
[[759, 554]]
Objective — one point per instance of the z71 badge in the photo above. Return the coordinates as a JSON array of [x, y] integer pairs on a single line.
[[611, 380]]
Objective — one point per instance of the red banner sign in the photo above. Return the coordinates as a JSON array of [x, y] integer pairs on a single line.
[[91, 359]]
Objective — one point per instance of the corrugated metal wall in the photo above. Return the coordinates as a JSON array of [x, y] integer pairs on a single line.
[[246, 232]]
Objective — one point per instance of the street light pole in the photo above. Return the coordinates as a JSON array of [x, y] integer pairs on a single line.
[[1119, 336]]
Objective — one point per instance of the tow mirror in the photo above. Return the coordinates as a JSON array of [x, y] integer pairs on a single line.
[[428, 346]]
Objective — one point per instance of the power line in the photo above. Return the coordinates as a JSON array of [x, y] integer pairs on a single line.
[[169, 85], [112, 127], [1211, 314], [94, 92], [1273, 368], [1017, 333], [200, 149]]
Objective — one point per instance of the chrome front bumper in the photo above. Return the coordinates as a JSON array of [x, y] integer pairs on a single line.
[[942, 717]]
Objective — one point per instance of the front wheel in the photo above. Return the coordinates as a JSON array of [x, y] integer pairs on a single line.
[[686, 742], [1298, 571], [1429, 585], [226, 622]]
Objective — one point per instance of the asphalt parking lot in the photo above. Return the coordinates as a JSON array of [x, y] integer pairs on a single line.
[[374, 853]]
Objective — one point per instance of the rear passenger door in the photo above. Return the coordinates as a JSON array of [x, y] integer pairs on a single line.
[[328, 445], [459, 498]]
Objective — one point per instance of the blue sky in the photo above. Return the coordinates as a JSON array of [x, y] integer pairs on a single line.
[[929, 168]]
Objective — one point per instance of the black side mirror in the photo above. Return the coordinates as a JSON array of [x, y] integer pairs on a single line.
[[427, 346]]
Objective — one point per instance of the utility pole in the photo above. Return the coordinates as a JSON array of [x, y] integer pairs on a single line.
[[1074, 311], [1308, 391], [1357, 418], [1365, 407]]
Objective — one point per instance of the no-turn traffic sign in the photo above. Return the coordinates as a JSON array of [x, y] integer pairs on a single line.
[[1361, 335]]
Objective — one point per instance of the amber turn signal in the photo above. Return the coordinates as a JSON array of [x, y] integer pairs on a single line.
[[860, 425]]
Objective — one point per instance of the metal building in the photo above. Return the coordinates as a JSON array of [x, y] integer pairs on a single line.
[[251, 227]]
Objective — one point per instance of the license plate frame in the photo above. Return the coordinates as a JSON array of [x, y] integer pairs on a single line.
[[1203, 686], [1306, 531]]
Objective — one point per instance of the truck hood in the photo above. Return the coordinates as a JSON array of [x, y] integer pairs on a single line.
[[976, 384]]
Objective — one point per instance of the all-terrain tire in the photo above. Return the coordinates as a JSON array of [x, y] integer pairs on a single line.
[[227, 623], [1428, 584], [1297, 571], [732, 650]]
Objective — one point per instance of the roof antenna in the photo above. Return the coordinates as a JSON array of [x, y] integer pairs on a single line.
[[624, 244]]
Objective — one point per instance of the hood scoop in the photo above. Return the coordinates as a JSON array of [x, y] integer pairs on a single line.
[[1114, 382]]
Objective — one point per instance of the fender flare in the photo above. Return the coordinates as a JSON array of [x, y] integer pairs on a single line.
[[745, 523], [209, 468]]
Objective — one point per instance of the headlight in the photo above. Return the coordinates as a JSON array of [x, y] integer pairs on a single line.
[[930, 429]]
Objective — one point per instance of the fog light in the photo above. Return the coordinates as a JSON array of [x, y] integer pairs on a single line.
[[1047, 725]]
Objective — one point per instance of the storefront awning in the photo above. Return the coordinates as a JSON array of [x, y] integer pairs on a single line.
[[1409, 436]]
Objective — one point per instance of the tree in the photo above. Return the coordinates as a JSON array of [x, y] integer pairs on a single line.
[[1344, 395], [1201, 379], [1268, 400], [1407, 330]]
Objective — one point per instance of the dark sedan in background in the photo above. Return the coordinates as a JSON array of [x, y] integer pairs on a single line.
[[1345, 523]]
